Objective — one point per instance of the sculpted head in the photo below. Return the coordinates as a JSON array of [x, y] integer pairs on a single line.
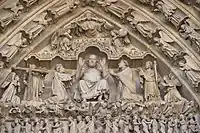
[[59, 68], [87, 118], [79, 118], [181, 63], [1, 64], [92, 61], [16, 120], [166, 78], [17, 78], [32, 66], [56, 119], [148, 65], [123, 63]]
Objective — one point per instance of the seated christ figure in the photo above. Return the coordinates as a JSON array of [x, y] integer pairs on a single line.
[[91, 82]]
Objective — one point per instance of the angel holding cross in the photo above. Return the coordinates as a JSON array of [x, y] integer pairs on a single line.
[[56, 81]]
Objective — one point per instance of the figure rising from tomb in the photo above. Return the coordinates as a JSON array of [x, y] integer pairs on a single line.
[[57, 126], [90, 126], [108, 123], [16, 125], [136, 123]]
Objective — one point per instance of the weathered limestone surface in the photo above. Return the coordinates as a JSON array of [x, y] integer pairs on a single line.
[[99, 66]]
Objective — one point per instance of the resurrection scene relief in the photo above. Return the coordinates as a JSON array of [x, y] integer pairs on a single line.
[[99, 66]]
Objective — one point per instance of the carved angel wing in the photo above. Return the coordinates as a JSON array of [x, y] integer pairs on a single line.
[[96, 107], [193, 65], [54, 40], [193, 25], [103, 61], [40, 18], [174, 79], [81, 61], [170, 5], [139, 17], [165, 37]]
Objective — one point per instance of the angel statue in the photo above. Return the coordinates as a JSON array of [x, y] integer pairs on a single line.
[[36, 27], [164, 44], [142, 25], [12, 85], [90, 78], [149, 78], [191, 73], [127, 85], [188, 32], [171, 83]]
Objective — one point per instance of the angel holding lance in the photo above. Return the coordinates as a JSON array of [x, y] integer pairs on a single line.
[[149, 79]]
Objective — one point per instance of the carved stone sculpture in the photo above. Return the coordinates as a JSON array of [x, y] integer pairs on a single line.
[[90, 71], [90, 78], [126, 83], [191, 74], [34, 85], [164, 43], [114, 9], [13, 46], [12, 86], [172, 92], [189, 32], [9, 14], [34, 29], [57, 126], [16, 126], [171, 125], [27, 3], [54, 81], [150, 79], [3, 126], [141, 24], [62, 8]]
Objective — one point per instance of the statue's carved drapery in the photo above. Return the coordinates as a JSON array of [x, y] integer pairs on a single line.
[[95, 66]]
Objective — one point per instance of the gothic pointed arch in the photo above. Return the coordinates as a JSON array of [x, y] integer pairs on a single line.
[[59, 55]]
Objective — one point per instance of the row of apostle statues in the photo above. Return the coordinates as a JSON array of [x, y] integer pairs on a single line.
[[92, 80]]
